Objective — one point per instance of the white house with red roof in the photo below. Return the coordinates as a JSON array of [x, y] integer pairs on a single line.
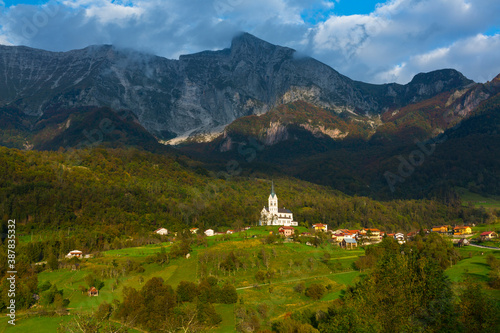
[[272, 215], [286, 231], [74, 253], [488, 235], [161, 231]]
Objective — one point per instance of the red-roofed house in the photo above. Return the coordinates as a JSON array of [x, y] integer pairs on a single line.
[[320, 227], [462, 230], [488, 235], [74, 253], [412, 234], [161, 231], [93, 292], [338, 237], [286, 231]]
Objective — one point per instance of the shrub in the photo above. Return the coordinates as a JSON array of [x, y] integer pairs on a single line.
[[315, 291]]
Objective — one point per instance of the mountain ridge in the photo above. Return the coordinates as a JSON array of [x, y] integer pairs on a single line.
[[199, 93]]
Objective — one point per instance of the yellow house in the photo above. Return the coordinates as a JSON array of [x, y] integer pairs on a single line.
[[320, 227], [374, 232], [462, 230], [441, 228]]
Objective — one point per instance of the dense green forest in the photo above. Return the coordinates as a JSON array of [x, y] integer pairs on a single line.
[[95, 196]]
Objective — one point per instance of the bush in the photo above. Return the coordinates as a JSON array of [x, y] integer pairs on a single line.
[[187, 291], [315, 291], [228, 294], [300, 287]]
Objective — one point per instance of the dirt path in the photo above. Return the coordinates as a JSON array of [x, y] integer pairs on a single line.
[[292, 280], [485, 247]]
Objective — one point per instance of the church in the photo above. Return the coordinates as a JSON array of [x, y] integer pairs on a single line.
[[273, 215]]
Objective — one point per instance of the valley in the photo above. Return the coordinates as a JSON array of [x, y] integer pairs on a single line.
[[156, 173]]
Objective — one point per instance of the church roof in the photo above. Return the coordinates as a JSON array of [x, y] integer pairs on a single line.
[[272, 190], [283, 210]]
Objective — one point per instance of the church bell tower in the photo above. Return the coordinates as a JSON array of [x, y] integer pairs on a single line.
[[273, 201]]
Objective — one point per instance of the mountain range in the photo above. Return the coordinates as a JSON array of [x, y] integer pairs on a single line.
[[302, 113]]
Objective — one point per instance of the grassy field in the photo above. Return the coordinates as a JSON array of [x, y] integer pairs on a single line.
[[491, 202], [472, 265], [292, 263], [33, 324]]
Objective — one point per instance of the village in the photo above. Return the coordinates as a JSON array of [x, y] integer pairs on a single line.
[[288, 229], [346, 238]]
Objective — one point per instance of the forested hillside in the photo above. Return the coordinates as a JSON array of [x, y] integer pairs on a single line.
[[95, 196]]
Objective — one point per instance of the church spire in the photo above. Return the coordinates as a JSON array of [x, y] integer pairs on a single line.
[[272, 189]]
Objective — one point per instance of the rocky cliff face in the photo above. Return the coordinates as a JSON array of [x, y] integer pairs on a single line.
[[199, 93]]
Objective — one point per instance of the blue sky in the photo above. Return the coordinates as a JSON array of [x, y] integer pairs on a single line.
[[372, 41]]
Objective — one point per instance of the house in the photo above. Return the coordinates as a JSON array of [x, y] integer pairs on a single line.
[[161, 231], [273, 215], [194, 230], [368, 231], [463, 242], [93, 292], [320, 227], [286, 231], [399, 236], [74, 253], [348, 243], [229, 232], [462, 230], [338, 237], [488, 235], [209, 232], [353, 233], [412, 234], [441, 229]]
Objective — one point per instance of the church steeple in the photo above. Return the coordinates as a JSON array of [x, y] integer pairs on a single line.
[[273, 201]]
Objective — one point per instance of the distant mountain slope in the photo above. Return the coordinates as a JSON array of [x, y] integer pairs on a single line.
[[82, 127], [450, 145], [199, 93]]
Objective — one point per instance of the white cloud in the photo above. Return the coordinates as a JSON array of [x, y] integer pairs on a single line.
[[372, 47], [112, 12], [476, 57]]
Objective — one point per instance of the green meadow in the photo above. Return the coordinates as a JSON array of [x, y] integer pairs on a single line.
[[292, 265], [490, 202]]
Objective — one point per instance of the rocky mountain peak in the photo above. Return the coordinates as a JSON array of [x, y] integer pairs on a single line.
[[449, 76], [246, 45]]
